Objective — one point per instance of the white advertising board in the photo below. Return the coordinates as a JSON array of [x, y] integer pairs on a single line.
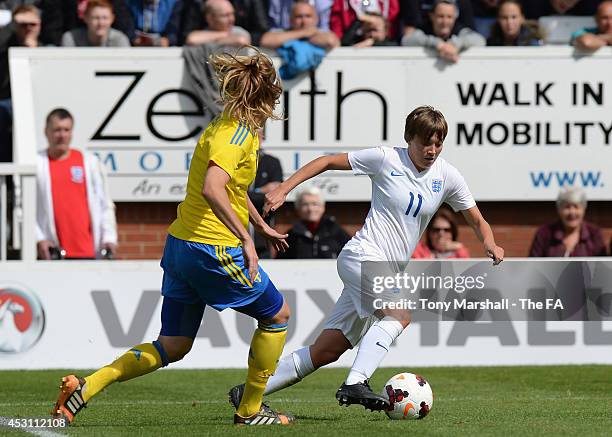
[[84, 314], [523, 121]]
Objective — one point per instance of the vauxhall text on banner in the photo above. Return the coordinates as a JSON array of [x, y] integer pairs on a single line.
[[119, 306]]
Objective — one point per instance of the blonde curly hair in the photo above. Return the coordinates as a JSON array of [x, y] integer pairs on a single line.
[[249, 86]]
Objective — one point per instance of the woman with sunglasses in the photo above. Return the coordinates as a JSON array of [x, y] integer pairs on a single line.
[[441, 239]]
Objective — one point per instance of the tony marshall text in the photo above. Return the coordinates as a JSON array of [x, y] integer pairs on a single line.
[[466, 304]]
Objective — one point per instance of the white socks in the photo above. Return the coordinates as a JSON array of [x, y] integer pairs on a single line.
[[291, 369], [373, 348]]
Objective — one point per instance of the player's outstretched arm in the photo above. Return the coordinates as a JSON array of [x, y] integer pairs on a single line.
[[484, 233], [276, 197]]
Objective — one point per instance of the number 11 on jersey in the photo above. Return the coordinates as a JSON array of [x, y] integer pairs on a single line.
[[418, 208]]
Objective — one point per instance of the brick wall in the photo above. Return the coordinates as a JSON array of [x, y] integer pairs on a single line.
[[142, 226], [142, 229]]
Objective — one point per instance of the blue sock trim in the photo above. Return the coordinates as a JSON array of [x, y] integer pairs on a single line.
[[272, 327], [162, 353]]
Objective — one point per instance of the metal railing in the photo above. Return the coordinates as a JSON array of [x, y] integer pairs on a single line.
[[22, 217]]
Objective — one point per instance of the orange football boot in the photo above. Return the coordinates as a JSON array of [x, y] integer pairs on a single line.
[[70, 400]]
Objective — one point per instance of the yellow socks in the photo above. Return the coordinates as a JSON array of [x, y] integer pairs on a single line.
[[266, 348], [139, 360]]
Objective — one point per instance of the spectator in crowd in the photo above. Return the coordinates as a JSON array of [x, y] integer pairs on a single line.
[[314, 235], [98, 17], [415, 14], [220, 26], [511, 29], [23, 31], [60, 16], [302, 47], [571, 235], [8, 6], [441, 238], [369, 30], [443, 34], [279, 13], [187, 16], [269, 176], [593, 38], [535, 9], [150, 19], [304, 22], [74, 214], [344, 13]]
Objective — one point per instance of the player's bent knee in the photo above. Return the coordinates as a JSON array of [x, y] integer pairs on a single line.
[[177, 354], [401, 316], [282, 317], [405, 322], [175, 348]]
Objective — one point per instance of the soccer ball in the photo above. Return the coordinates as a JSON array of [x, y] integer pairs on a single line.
[[409, 396]]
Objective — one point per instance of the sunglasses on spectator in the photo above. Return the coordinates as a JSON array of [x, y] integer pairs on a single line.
[[28, 23], [435, 230]]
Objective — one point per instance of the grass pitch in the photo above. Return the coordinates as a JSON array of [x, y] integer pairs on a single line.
[[560, 400]]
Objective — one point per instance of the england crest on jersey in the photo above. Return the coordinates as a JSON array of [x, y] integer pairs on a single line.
[[76, 174], [436, 185]]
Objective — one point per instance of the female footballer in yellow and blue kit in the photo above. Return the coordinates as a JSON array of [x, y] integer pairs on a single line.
[[210, 258]]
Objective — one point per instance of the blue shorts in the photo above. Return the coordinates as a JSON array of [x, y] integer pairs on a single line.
[[198, 274]]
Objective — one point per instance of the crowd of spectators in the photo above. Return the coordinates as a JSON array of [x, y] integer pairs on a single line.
[[429, 23]]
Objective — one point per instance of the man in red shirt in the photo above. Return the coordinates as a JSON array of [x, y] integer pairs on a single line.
[[75, 214]]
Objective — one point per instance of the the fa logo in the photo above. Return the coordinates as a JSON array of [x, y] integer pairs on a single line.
[[77, 174], [436, 185]]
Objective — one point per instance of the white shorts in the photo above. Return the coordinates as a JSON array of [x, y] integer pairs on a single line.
[[348, 315]]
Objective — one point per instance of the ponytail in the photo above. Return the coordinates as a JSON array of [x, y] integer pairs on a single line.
[[249, 86]]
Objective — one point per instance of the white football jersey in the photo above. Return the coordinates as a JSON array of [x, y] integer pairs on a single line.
[[403, 201]]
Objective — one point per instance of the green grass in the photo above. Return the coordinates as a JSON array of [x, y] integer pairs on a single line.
[[560, 400]]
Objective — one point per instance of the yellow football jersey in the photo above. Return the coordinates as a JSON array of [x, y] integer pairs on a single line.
[[233, 147]]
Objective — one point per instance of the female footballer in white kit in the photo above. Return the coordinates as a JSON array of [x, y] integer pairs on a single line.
[[408, 187]]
